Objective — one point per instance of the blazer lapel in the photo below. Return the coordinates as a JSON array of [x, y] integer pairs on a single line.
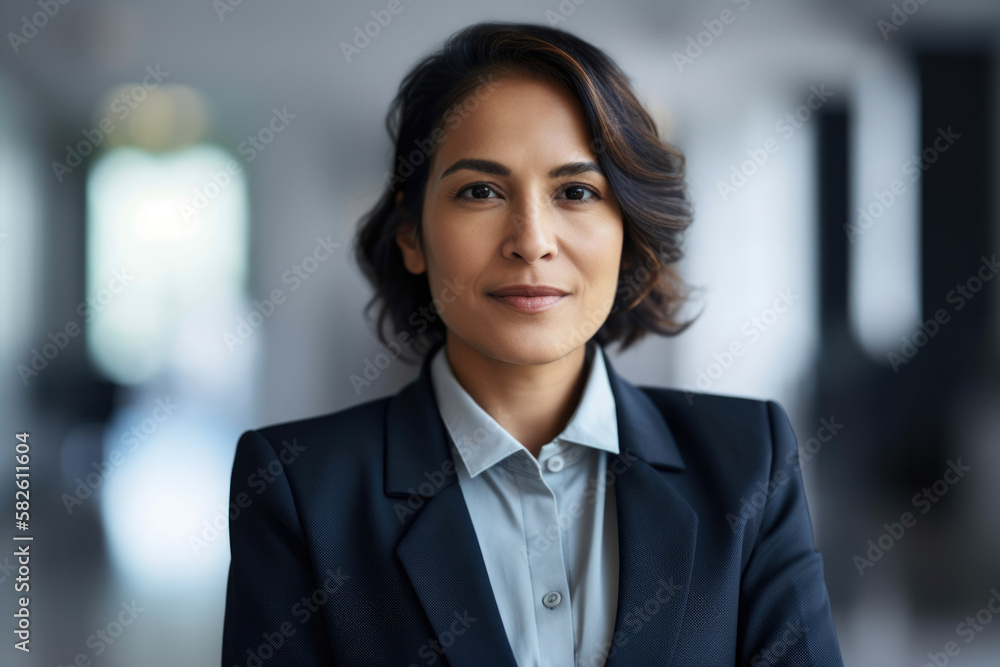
[[439, 550], [657, 532]]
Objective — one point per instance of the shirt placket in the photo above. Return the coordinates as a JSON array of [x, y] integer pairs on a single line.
[[547, 570]]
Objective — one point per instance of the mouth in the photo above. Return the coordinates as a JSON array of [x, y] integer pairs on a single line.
[[529, 298]]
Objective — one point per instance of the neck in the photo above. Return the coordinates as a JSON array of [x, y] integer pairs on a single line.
[[532, 402]]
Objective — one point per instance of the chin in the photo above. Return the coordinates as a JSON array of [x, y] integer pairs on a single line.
[[542, 346]]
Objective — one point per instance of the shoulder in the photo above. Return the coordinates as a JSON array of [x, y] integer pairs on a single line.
[[733, 431], [699, 408], [364, 416], [356, 430]]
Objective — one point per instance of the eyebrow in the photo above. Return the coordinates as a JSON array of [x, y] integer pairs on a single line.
[[497, 169]]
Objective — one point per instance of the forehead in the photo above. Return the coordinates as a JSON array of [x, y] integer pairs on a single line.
[[520, 118]]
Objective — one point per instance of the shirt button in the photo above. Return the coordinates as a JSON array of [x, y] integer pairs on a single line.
[[552, 600], [555, 464]]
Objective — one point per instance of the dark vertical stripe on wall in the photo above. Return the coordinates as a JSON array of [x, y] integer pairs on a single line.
[[832, 193], [836, 350], [955, 203]]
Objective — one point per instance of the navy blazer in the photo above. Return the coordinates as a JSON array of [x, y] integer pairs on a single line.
[[352, 545]]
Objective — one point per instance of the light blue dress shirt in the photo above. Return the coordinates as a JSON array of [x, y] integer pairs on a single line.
[[547, 527]]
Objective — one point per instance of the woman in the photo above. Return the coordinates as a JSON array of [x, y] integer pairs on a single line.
[[520, 503]]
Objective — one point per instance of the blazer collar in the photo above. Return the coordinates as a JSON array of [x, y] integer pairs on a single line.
[[657, 529]]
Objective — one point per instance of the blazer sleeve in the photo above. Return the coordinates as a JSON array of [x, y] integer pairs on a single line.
[[270, 573], [784, 607]]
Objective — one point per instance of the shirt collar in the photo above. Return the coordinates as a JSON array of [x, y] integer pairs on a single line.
[[482, 442]]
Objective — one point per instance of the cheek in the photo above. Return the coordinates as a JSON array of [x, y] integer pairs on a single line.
[[604, 257], [456, 250]]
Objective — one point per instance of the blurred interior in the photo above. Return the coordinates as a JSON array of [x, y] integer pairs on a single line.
[[179, 187]]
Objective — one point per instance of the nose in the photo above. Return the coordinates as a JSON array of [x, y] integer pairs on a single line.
[[531, 235]]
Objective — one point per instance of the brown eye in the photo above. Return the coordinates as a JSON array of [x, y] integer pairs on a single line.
[[579, 193], [478, 191]]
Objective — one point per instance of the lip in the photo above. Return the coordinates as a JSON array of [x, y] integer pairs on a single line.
[[529, 298], [528, 290]]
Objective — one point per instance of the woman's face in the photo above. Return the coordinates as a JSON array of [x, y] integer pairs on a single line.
[[515, 197]]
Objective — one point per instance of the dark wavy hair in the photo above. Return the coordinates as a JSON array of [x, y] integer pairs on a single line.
[[645, 173]]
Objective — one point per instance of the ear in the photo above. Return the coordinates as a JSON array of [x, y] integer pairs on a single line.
[[409, 244]]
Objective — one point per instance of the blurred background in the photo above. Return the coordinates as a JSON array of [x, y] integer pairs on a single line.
[[179, 187]]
